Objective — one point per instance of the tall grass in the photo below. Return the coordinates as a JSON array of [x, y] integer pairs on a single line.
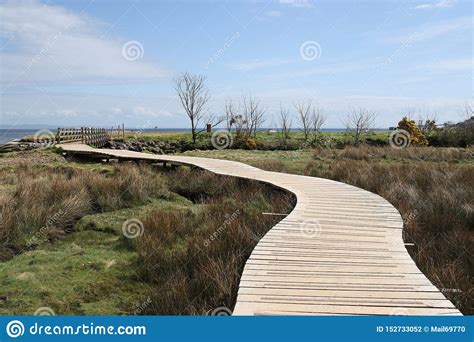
[[191, 258], [367, 152], [436, 201], [194, 259], [46, 201]]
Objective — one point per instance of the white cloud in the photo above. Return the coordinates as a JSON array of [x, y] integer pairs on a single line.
[[50, 43], [273, 14], [83, 109], [148, 112], [297, 3], [460, 64], [436, 4], [331, 69], [77, 110], [432, 31], [258, 64]]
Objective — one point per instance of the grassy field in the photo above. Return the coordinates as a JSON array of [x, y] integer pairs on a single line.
[[266, 137], [181, 262], [67, 246]]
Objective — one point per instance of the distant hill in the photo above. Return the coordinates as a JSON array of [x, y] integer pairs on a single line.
[[464, 124], [28, 126]]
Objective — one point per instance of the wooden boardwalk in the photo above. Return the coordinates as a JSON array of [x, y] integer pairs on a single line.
[[339, 252]]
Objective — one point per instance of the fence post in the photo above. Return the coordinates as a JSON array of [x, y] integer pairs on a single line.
[[82, 135]]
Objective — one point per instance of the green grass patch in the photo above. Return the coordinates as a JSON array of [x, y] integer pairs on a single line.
[[92, 271]]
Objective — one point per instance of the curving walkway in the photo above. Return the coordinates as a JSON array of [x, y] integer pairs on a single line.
[[339, 252]]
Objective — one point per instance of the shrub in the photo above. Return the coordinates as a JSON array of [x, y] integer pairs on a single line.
[[416, 134], [246, 143], [452, 137]]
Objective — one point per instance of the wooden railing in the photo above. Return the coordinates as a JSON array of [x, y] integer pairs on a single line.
[[97, 137]]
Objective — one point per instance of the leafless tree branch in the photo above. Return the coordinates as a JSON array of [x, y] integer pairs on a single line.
[[194, 96], [359, 121]]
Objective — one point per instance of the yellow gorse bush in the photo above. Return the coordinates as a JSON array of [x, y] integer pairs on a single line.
[[416, 135]]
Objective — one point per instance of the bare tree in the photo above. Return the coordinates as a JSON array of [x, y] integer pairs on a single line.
[[213, 120], [311, 118], [246, 117], [234, 117], [359, 121], [285, 124], [468, 110], [428, 124], [303, 109], [318, 118], [253, 113], [194, 97]]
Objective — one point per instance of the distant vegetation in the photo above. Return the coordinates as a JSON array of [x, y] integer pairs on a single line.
[[246, 116], [427, 134]]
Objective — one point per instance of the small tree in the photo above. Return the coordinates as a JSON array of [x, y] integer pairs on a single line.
[[194, 97], [246, 117], [304, 108], [285, 124], [359, 121], [253, 114], [318, 118], [416, 134], [468, 111]]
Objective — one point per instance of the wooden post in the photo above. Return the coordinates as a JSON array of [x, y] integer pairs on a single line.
[[209, 128], [58, 136], [123, 130], [82, 135]]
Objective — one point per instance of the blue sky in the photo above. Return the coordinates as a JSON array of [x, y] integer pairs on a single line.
[[67, 63]]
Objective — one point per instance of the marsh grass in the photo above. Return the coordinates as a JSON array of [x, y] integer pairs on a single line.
[[195, 259], [46, 201], [199, 230], [367, 152]]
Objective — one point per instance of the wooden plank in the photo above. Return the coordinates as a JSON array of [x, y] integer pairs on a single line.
[[342, 293], [263, 308], [339, 300]]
